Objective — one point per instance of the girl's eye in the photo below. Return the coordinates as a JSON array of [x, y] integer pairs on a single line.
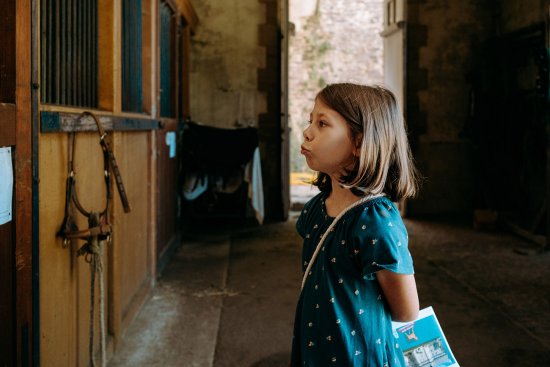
[[322, 123], [308, 122]]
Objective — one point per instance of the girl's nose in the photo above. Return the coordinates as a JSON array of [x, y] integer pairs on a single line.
[[306, 133]]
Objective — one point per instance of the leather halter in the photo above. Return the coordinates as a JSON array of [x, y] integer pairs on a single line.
[[102, 227]]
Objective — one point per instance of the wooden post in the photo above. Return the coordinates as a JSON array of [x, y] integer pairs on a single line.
[[23, 185], [109, 48]]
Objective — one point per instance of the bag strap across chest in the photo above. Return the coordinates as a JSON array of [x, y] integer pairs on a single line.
[[329, 229]]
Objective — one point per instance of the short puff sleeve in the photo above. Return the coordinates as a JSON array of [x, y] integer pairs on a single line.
[[381, 240]]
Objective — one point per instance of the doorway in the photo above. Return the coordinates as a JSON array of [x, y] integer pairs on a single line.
[[321, 51]]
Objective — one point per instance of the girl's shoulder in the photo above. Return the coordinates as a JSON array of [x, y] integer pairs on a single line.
[[378, 216], [379, 236]]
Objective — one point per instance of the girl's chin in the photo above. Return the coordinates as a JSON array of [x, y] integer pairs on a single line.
[[310, 163]]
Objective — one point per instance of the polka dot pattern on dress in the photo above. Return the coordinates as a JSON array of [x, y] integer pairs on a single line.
[[341, 297]]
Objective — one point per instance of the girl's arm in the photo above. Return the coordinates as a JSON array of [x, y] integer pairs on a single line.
[[400, 292]]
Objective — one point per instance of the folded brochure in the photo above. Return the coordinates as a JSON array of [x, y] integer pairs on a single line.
[[423, 341]]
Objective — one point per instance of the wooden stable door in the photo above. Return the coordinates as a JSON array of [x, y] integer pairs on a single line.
[[7, 230], [16, 290], [174, 107], [7, 289]]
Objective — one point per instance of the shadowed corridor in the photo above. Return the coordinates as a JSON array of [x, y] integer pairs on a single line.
[[227, 298]]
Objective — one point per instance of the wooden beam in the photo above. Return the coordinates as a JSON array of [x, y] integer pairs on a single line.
[[7, 125], [23, 185], [56, 122], [186, 72], [109, 58], [188, 11], [148, 23]]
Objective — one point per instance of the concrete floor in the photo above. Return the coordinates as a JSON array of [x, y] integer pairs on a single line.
[[227, 298]]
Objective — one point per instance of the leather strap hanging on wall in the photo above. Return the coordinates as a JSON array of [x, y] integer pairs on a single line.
[[69, 230]]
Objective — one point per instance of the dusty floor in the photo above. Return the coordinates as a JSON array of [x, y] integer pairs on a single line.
[[227, 299]]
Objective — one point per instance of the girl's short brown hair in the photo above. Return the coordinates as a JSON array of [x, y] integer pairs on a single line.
[[385, 162]]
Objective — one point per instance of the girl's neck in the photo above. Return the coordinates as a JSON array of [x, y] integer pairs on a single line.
[[339, 198]]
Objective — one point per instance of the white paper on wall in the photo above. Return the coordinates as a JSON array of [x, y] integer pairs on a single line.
[[6, 185], [171, 142]]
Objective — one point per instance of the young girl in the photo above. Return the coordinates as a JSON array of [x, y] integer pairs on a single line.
[[362, 276]]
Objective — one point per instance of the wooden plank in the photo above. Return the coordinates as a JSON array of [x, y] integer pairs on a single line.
[[538, 239], [7, 124], [107, 74], [151, 205], [23, 185], [116, 71], [188, 11], [547, 242], [35, 97], [7, 56], [166, 190], [7, 357], [132, 276], [56, 122], [186, 73], [148, 54]]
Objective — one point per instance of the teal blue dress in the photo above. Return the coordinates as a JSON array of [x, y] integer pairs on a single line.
[[342, 318]]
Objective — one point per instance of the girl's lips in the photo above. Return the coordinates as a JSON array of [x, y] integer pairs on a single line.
[[304, 150]]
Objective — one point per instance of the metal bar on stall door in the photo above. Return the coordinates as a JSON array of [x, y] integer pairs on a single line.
[[43, 48], [79, 71], [95, 57], [56, 98], [63, 60], [84, 46], [69, 56]]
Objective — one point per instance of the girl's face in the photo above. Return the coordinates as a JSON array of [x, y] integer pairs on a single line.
[[327, 146]]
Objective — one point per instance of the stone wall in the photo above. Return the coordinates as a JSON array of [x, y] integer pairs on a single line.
[[236, 81], [444, 38], [269, 120], [445, 45], [515, 14], [333, 41], [523, 123], [235, 76]]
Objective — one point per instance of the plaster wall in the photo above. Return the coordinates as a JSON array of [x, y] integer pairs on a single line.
[[224, 60]]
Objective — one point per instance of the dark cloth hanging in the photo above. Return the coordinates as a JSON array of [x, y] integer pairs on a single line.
[[214, 160], [211, 149]]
